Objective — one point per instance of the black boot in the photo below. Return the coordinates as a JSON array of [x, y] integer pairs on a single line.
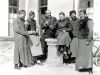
[[65, 52], [20, 64], [25, 66], [17, 67], [59, 48], [90, 71]]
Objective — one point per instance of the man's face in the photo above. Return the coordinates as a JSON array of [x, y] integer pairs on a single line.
[[82, 15], [22, 16], [73, 16], [48, 13], [61, 17], [32, 17]]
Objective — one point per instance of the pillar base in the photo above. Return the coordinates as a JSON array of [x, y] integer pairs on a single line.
[[54, 57]]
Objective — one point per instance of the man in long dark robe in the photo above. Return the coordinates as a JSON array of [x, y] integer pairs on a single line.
[[48, 32], [85, 43], [22, 54], [74, 43]]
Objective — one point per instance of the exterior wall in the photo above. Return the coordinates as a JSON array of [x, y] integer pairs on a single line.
[[56, 6], [96, 16], [4, 18], [83, 5], [22, 4]]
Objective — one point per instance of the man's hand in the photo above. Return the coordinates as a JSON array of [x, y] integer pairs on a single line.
[[46, 23], [27, 34], [51, 26], [64, 52], [88, 42], [64, 31], [34, 32]]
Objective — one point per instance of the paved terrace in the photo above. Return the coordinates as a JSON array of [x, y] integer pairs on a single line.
[[7, 67]]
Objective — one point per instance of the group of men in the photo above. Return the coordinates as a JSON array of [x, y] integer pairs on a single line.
[[69, 26], [49, 33]]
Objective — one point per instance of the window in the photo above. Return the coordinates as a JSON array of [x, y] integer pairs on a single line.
[[13, 9], [43, 2], [89, 3]]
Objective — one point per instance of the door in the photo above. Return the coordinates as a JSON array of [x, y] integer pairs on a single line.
[[42, 9]]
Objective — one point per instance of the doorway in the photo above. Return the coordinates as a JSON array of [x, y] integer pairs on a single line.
[[88, 5], [42, 9]]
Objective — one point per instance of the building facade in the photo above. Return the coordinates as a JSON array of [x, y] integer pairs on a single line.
[[9, 9]]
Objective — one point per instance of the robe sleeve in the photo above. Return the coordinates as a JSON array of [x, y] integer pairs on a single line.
[[43, 26], [90, 26], [55, 25], [69, 27], [54, 20], [26, 25], [16, 27], [37, 28]]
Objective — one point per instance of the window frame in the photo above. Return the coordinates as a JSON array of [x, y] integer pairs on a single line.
[[9, 18]]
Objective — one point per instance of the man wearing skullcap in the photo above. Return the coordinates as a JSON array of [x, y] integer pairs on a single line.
[[63, 27]]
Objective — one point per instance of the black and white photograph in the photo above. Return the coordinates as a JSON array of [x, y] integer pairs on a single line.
[[49, 37]]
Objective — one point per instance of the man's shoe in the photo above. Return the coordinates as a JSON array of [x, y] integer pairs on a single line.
[[90, 71], [20, 65], [25, 66], [17, 67]]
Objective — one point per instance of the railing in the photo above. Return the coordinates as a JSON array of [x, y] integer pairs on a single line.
[[96, 54], [6, 38]]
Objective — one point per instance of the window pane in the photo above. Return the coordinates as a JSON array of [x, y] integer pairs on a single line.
[[90, 4], [10, 10], [15, 15], [11, 16], [10, 2], [43, 2], [14, 10], [13, 2]]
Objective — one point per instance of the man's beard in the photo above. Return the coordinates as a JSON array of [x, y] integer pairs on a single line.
[[22, 18], [48, 16], [32, 18], [73, 18]]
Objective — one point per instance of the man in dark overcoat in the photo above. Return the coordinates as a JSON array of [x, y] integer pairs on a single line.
[[48, 32], [22, 53]]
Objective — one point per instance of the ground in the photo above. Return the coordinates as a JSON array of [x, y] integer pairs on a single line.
[[7, 66]]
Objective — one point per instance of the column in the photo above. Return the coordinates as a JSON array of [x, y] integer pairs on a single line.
[[54, 57], [76, 7], [96, 16], [26, 8], [4, 18]]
